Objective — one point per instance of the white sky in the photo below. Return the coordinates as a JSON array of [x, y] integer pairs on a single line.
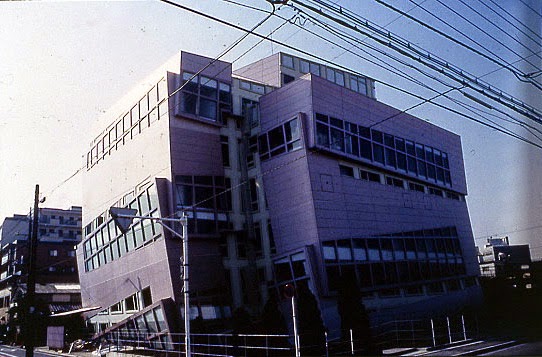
[[63, 64]]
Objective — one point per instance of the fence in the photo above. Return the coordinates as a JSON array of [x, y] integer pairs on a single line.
[[219, 345], [426, 332], [397, 333]]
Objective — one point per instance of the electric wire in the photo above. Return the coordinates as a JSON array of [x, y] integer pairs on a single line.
[[222, 54], [522, 124], [530, 8], [517, 73], [480, 29], [509, 22], [263, 38], [427, 59], [501, 30]]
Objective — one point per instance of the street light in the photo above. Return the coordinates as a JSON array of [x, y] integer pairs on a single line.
[[123, 218]]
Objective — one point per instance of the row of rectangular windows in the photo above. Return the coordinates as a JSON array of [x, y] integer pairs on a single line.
[[283, 138], [206, 201], [364, 143], [107, 243], [362, 174], [205, 97], [392, 249], [438, 287], [371, 275], [357, 83], [142, 115]]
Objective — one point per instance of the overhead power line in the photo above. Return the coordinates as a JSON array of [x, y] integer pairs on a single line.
[[410, 50], [501, 30], [460, 15], [398, 72], [509, 22]]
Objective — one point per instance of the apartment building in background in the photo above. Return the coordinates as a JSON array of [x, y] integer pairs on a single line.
[[57, 280], [290, 172]]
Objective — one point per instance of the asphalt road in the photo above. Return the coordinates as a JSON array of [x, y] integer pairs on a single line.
[[10, 351], [523, 349]]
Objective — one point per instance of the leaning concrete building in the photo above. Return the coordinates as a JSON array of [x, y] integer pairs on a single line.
[[290, 172]]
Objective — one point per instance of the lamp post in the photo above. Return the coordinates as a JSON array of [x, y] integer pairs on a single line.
[[124, 217]]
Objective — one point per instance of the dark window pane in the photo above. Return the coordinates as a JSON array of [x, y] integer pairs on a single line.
[[431, 172], [421, 169], [401, 161], [336, 122], [184, 195], [366, 150], [262, 144], [390, 157], [360, 252], [207, 108], [322, 117], [420, 153], [337, 139], [377, 136], [292, 130], [282, 270], [322, 134], [204, 197], [189, 103], [346, 170], [389, 140], [400, 144], [276, 138], [378, 152], [412, 165]]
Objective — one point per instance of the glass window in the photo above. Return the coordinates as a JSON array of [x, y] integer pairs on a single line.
[[204, 197], [189, 103], [208, 87], [225, 92], [330, 74], [282, 270], [287, 61], [343, 250], [387, 249], [337, 139], [373, 249], [360, 253], [329, 251], [304, 66], [366, 150], [339, 78], [292, 130], [353, 84], [346, 170], [191, 86], [399, 249], [410, 249], [322, 134], [315, 68], [378, 153], [298, 265], [276, 138], [208, 108], [184, 195]]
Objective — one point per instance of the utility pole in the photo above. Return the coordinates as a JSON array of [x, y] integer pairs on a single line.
[[29, 330], [124, 217]]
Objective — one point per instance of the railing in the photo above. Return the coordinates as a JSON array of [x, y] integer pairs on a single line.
[[219, 345], [426, 332]]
